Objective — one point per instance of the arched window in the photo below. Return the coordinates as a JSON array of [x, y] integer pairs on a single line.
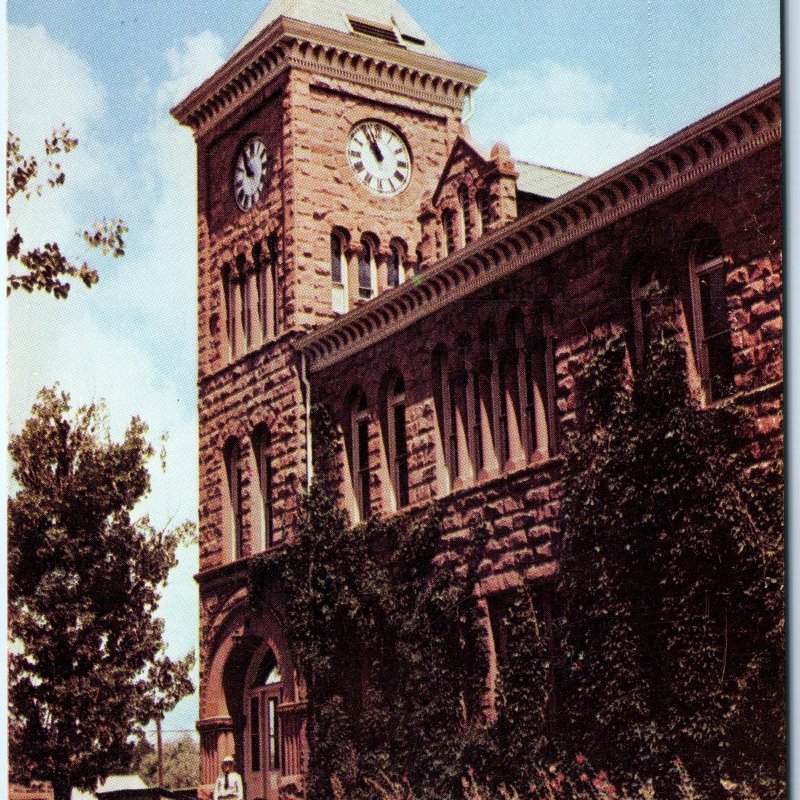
[[512, 385], [398, 442], [261, 290], [449, 225], [484, 210], [461, 409], [270, 313], [446, 441], [490, 420], [233, 510], [245, 301], [643, 285], [360, 455], [539, 392], [466, 213], [367, 271], [229, 293], [395, 270], [263, 528], [338, 273], [712, 331]]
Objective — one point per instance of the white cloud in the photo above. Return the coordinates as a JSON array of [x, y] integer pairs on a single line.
[[555, 115], [189, 65], [49, 84], [131, 339]]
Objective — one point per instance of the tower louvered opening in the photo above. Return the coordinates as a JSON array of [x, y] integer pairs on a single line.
[[374, 29]]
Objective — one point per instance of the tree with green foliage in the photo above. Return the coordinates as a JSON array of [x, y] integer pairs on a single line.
[[87, 666], [181, 762], [671, 585], [46, 268]]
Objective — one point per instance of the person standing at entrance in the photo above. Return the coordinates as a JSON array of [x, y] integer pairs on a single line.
[[229, 783]]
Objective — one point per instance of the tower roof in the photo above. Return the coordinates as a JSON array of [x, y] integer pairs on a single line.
[[382, 19]]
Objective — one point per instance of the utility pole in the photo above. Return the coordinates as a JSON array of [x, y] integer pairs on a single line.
[[160, 754]]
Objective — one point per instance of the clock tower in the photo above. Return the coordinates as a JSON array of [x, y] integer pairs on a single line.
[[316, 143]]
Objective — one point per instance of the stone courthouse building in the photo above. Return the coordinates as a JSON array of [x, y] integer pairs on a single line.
[[357, 248]]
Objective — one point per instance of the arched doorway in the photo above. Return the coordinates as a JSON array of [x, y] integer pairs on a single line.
[[263, 751]]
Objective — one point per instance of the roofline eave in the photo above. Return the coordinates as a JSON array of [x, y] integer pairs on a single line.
[[315, 35]]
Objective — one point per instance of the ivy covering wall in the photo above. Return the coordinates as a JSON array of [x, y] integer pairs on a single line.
[[663, 660], [671, 585]]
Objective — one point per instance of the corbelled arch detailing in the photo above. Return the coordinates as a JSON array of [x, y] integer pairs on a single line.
[[238, 637]]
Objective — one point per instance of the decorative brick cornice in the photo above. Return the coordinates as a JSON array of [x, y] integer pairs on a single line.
[[709, 145], [289, 44]]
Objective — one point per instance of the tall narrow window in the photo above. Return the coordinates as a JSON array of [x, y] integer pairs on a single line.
[[394, 276], [338, 273], [502, 415], [712, 330], [398, 442], [466, 213], [445, 440], [512, 389], [460, 385], [537, 393], [244, 301], [262, 501], [455, 469], [261, 290], [366, 270], [489, 441], [234, 512], [484, 210], [449, 224], [228, 290], [477, 426], [496, 411], [271, 299], [643, 285], [360, 460], [337, 259]]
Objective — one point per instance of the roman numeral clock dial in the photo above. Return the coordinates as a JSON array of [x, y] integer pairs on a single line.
[[379, 157], [250, 173]]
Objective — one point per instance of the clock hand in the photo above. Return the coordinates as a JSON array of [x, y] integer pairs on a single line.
[[247, 168], [373, 144]]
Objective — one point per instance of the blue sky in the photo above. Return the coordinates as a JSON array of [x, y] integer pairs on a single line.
[[580, 84]]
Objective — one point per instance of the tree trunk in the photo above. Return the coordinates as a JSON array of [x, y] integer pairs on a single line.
[[62, 787]]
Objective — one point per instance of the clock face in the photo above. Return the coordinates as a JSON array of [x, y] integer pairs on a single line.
[[379, 157], [250, 173]]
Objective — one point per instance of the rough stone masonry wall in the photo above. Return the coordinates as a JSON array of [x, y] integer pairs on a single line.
[[262, 388], [224, 232], [323, 112], [587, 289]]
